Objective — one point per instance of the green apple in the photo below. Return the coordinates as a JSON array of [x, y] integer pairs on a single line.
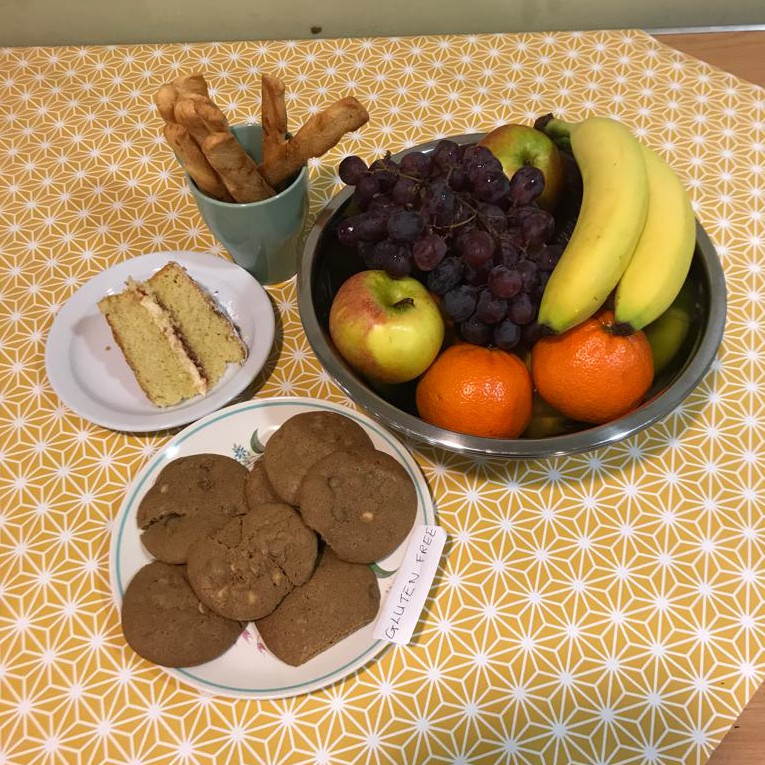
[[388, 329], [547, 422], [667, 334], [518, 145]]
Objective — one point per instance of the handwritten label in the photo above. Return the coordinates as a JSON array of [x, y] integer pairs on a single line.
[[404, 603]]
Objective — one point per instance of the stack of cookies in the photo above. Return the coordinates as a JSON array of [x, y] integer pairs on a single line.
[[284, 545]]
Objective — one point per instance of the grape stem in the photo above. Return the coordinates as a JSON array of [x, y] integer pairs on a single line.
[[397, 173], [475, 215], [487, 227], [464, 198]]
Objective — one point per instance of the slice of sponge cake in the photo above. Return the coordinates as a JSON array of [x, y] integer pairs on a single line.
[[172, 334], [198, 320], [157, 356]]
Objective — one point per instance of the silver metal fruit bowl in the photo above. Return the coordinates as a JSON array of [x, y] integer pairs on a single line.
[[325, 265]]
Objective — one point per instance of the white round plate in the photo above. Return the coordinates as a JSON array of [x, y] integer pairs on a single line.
[[90, 375], [248, 670]]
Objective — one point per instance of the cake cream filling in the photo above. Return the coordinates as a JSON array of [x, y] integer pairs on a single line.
[[160, 317]]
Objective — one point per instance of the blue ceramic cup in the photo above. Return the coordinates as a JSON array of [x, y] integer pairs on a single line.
[[262, 237]]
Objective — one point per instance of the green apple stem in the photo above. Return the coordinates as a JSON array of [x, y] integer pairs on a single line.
[[406, 302]]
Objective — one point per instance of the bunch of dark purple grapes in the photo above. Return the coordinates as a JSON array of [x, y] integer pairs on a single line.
[[453, 219]]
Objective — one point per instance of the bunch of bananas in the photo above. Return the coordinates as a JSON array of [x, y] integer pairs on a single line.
[[635, 232]]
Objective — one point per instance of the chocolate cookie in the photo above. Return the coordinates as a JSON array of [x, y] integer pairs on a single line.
[[257, 489], [164, 622], [191, 497], [244, 569], [303, 440], [362, 503], [337, 600]]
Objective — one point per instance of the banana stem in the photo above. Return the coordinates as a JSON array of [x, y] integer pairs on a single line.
[[558, 130]]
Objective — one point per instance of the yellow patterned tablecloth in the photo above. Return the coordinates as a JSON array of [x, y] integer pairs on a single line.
[[605, 608]]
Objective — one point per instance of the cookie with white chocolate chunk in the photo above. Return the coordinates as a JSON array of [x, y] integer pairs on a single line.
[[191, 497], [257, 489], [337, 600], [303, 440], [362, 503], [245, 569]]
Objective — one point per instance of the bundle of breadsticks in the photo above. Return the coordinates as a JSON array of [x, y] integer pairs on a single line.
[[199, 134]]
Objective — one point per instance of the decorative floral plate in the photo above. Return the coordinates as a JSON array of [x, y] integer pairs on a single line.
[[248, 670]]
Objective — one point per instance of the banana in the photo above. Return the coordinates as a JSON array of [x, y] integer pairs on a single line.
[[663, 254], [614, 205]]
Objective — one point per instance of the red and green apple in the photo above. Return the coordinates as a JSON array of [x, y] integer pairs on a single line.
[[518, 145], [389, 330]]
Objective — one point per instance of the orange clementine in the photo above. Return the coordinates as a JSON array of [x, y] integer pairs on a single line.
[[591, 373], [478, 391]]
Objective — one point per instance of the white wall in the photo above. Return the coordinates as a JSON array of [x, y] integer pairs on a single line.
[[55, 22]]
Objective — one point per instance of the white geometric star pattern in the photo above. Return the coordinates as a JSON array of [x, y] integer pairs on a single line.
[[601, 608]]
